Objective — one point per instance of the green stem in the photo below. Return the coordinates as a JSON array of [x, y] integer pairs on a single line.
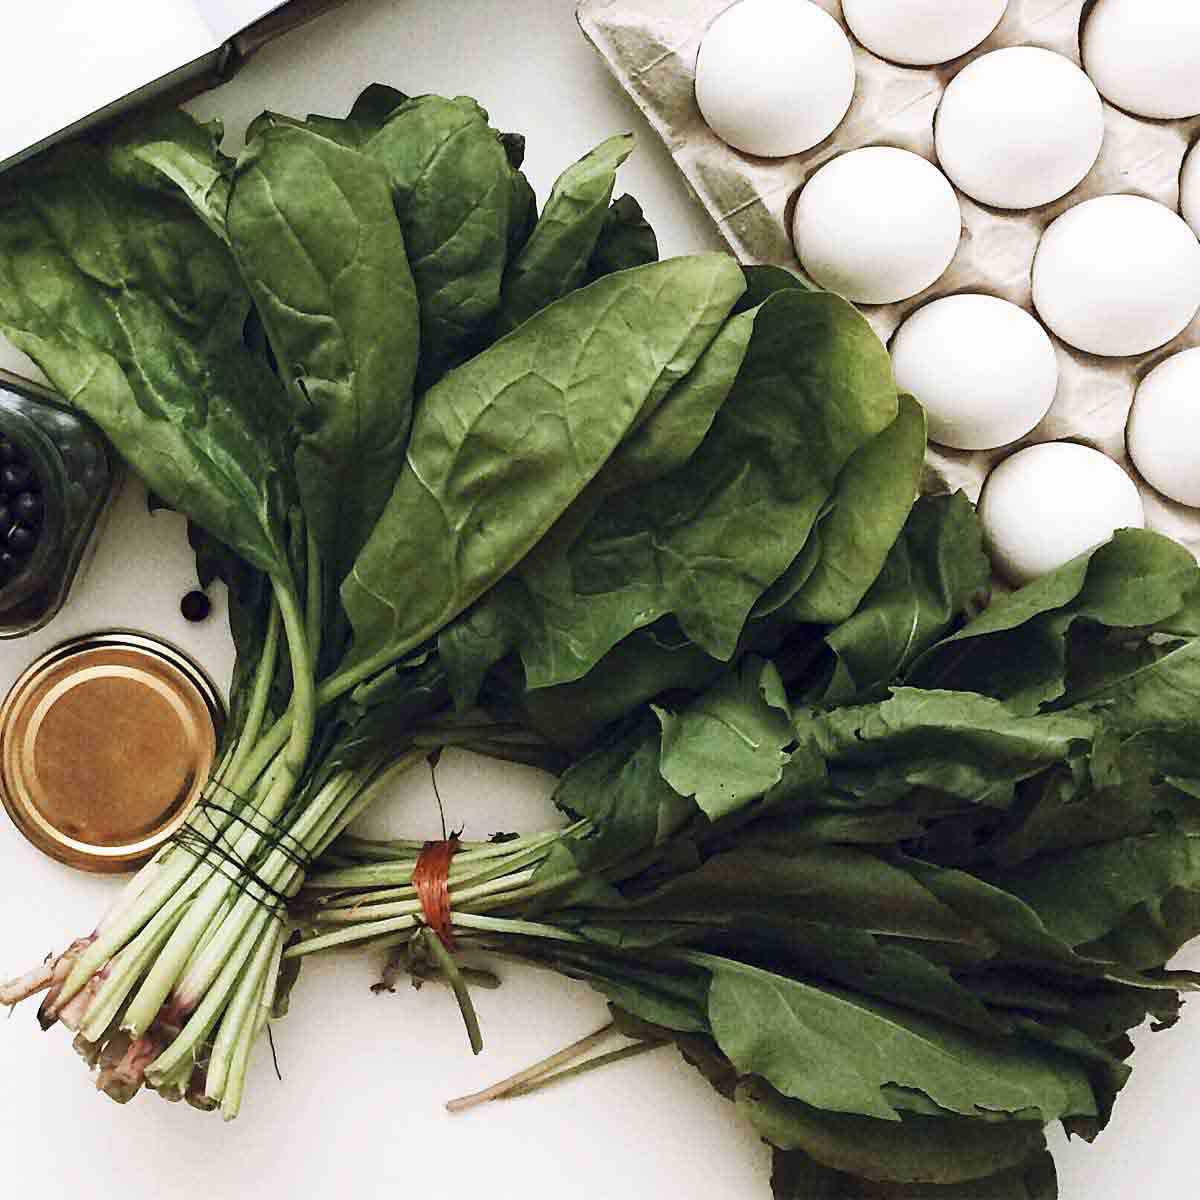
[[231, 1103], [334, 688], [583, 1068], [449, 968], [195, 981], [464, 865], [210, 888], [302, 707], [314, 583], [260, 694], [204, 1019], [178, 876], [547, 1065], [207, 983], [522, 928], [179, 950], [125, 969], [242, 1010]]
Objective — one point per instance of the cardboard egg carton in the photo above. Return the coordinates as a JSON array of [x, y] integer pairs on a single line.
[[651, 47]]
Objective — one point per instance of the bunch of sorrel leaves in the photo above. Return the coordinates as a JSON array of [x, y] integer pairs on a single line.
[[900, 893], [432, 439]]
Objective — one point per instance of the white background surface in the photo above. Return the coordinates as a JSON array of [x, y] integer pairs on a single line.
[[359, 1112]]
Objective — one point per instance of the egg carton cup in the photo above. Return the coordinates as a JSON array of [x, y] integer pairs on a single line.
[[651, 47]]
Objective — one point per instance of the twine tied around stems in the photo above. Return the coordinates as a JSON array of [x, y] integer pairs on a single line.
[[220, 847], [431, 878]]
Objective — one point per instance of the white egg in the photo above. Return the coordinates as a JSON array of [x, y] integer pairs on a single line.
[[877, 225], [1164, 428], [1048, 504], [1144, 55], [774, 77], [1019, 127], [983, 369], [921, 33], [1189, 189], [1117, 275]]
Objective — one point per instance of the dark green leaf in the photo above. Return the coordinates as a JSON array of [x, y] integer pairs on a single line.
[[764, 281], [1136, 901], [916, 1149], [959, 743], [620, 789], [560, 634], [453, 192], [625, 240], [728, 747], [312, 227], [832, 885], [707, 540], [169, 151], [639, 668], [1017, 649], [798, 1177], [835, 1050], [871, 503], [555, 258], [1164, 692], [375, 103], [134, 310], [504, 444], [933, 575]]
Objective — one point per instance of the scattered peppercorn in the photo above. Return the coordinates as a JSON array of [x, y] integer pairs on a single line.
[[195, 606]]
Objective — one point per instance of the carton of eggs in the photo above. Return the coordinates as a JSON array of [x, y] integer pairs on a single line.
[[996, 97]]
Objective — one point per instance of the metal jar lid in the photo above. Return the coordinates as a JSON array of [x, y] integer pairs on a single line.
[[106, 742]]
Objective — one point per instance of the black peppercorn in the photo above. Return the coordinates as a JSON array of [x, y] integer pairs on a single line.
[[14, 476], [27, 508], [195, 606]]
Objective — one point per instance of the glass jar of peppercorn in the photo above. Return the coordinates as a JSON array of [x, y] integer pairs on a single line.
[[55, 479]]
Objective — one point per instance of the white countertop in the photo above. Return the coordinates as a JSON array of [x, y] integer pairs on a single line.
[[359, 1112]]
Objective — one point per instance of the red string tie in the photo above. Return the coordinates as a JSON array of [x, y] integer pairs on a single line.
[[431, 878]]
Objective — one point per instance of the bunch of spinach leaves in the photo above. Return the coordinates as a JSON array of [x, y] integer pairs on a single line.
[[903, 903], [441, 446]]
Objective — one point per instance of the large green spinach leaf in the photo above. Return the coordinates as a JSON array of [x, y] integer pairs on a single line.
[[1135, 900], [562, 636], [504, 444], [958, 743], [169, 151], [705, 541], [453, 191], [1018, 649], [134, 310], [312, 226], [838, 1051]]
